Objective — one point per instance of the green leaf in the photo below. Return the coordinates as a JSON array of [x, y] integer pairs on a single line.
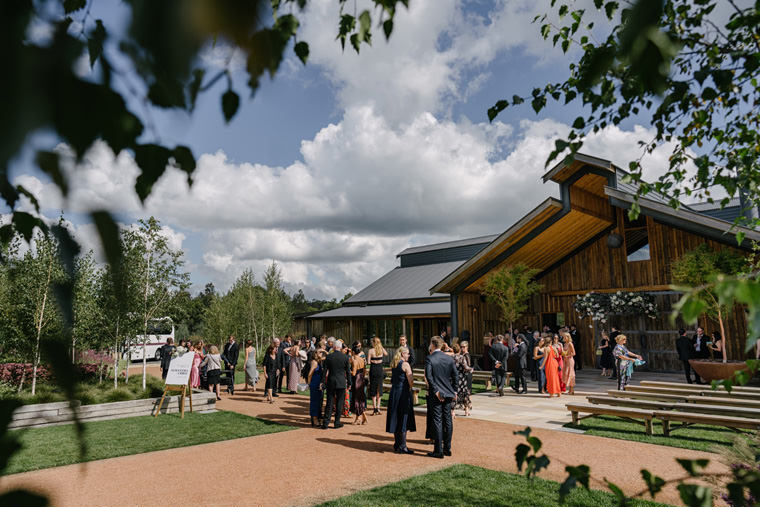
[[152, 160], [25, 223], [579, 475], [182, 158], [95, 42], [70, 6], [693, 466], [695, 496], [365, 27], [494, 111], [167, 92], [691, 307], [535, 443], [230, 104], [388, 28], [49, 162], [521, 453], [355, 42], [579, 123], [23, 497], [541, 462], [302, 51], [195, 86], [653, 482], [619, 495], [345, 27], [109, 236], [32, 198]]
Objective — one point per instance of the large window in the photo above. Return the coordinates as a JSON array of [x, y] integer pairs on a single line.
[[636, 239]]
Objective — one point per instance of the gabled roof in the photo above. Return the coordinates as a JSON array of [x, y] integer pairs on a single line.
[[431, 308], [449, 244], [404, 284], [588, 185]]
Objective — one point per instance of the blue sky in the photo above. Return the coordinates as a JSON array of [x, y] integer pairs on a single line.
[[334, 167]]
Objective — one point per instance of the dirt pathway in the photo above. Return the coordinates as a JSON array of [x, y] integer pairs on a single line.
[[306, 466]]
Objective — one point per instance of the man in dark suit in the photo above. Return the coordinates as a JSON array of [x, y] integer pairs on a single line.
[[441, 376], [283, 361], [337, 369], [683, 346], [230, 353], [531, 341], [699, 349], [521, 350], [403, 343], [499, 354], [166, 356]]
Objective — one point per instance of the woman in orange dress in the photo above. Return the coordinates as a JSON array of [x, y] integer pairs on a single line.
[[551, 367], [568, 372]]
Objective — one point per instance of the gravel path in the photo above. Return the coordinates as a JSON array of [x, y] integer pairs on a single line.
[[280, 469]]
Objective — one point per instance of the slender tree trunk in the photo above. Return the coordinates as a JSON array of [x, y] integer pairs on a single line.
[[116, 357], [145, 320], [129, 358], [40, 320], [724, 338], [73, 349], [23, 378]]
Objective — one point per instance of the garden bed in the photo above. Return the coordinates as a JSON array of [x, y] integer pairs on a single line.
[[50, 414]]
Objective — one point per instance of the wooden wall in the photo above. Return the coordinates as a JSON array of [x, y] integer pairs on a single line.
[[597, 267]]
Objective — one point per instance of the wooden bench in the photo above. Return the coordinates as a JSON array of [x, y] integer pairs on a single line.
[[688, 418], [697, 387], [662, 390], [729, 410], [629, 402], [732, 394], [673, 398], [718, 400], [632, 414]]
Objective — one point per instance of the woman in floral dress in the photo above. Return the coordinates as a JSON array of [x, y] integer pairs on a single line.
[[463, 391], [625, 359]]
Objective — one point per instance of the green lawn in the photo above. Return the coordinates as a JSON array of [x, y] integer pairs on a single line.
[[697, 437], [58, 445], [467, 485]]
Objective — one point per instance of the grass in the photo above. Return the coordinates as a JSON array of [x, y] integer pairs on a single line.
[[697, 437], [466, 485], [58, 445]]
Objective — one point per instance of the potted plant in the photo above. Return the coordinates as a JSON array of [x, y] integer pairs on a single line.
[[698, 269]]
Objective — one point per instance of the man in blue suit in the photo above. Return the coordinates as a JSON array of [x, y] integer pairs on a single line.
[[441, 375]]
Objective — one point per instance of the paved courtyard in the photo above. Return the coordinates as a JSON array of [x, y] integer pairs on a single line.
[[540, 411]]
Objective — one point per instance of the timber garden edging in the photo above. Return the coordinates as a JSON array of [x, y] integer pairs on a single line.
[[51, 414]]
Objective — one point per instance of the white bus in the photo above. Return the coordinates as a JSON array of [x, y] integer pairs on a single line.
[[158, 331]]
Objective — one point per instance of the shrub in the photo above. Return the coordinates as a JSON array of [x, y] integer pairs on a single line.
[[12, 372], [120, 394]]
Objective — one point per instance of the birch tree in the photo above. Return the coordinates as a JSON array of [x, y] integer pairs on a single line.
[[278, 317], [159, 271]]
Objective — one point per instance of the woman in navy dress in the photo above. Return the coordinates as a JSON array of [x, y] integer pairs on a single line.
[[315, 388], [400, 416]]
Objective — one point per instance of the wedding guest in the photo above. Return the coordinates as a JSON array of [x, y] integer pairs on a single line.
[[283, 361], [463, 370], [376, 374], [498, 355], [521, 351], [251, 372], [716, 346], [230, 353], [347, 393], [195, 377], [213, 364], [441, 375], [400, 414], [532, 341], [337, 369], [402, 342], [552, 369], [625, 359], [568, 371], [315, 388], [270, 371], [358, 366], [557, 345], [166, 356], [465, 345], [683, 347], [485, 360], [539, 357], [294, 367], [606, 361]]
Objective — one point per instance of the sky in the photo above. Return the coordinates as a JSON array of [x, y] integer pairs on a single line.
[[334, 167]]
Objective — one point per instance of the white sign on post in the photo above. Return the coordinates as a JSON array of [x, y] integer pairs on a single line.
[[179, 370]]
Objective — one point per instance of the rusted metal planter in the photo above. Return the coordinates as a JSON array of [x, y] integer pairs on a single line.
[[716, 370]]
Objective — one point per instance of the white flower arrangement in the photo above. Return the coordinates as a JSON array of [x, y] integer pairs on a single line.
[[599, 305]]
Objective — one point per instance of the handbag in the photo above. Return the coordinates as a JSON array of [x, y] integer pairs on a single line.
[[598, 352]]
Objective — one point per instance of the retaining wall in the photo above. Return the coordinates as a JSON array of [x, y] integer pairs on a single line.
[[49, 414]]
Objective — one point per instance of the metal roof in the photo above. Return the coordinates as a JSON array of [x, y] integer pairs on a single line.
[[405, 283], [429, 308], [449, 244]]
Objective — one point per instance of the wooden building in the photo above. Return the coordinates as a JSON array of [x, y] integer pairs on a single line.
[[585, 242], [400, 302]]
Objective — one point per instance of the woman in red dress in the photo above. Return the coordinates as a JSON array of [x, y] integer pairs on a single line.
[[551, 367]]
